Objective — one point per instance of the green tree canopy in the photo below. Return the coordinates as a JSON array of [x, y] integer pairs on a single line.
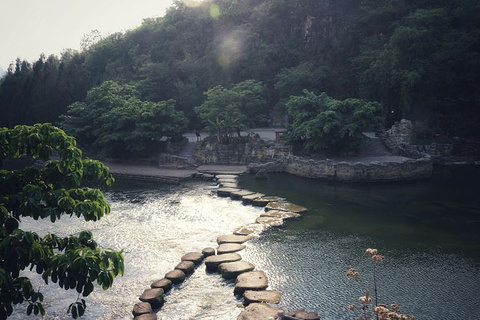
[[50, 192], [116, 123], [321, 122]]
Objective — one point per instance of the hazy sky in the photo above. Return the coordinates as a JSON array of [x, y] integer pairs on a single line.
[[31, 27]]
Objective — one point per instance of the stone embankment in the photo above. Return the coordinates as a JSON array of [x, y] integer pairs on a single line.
[[251, 285]]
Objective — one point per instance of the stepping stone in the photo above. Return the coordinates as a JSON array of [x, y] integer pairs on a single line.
[[250, 229], [221, 181], [212, 262], [273, 222], [147, 316], [153, 296], [285, 206], [248, 199], [229, 248], [263, 201], [208, 252], [176, 276], [300, 315], [186, 266], [279, 214], [239, 194], [233, 239], [225, 192], [253, 280], [229, 185], [258, 311], [195, 257], [164, 284], [230, 270], [226, 176], [141, 308], [266, 296]]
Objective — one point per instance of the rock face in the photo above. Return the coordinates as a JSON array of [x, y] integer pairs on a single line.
[[285, 206], [164, 284], [153, 296], [233, 239], [176, 276], [229, 248], [253, 280], [212, 262], [195, 257], [141, 308], [266, 296], [230, 270], [258, 311]]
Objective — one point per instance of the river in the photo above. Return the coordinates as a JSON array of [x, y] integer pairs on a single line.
[[427, 230]]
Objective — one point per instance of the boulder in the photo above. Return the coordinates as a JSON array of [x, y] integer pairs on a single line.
[[212, 262], [265, 296], [155, 297], [230, 270], [208, 252], [233, 239], [258, 311], [279, 214], [299, 315], [225, 192], [253, 280], [141, 308], [263, 201], [229, 248], [146, 316], [237, 195], [285, 206], [186, 266], [248, 199], [176, 276], [250, 229], [273, 222], [195, 257], [164, 284]]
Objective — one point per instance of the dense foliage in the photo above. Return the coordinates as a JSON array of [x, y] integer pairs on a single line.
[[50, 192], [321, 122], [116, 123], [420, 59]]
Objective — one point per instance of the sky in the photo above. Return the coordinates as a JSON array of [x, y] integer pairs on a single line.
[[31, 27]]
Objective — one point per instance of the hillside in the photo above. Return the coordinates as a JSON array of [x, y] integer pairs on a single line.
[[420, 59]]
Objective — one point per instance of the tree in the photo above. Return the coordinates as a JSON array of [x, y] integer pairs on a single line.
[[51, 191], [116, 123], [321, 122]]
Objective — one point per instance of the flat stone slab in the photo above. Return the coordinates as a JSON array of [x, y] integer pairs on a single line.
[[265, 296], [279, 214], [253, 280], [212, 262], [164, 284], [225, 192], [141, 308], [263, 201], [229, 248], [239, 194], [230, 270], [300, 315], [258, 311], [285, 206], [226, 176], [225, 180], [195, 257], [186, 266], [250, 229], [207, 252], [229, 185], [248, 199], [232, 238], [176, 276], [273, 222], [147, 316], [155, 297]]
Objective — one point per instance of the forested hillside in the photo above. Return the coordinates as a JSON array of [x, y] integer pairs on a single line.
[[419, 58]]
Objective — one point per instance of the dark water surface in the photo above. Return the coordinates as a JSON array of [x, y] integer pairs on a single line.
[[428, 230]]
